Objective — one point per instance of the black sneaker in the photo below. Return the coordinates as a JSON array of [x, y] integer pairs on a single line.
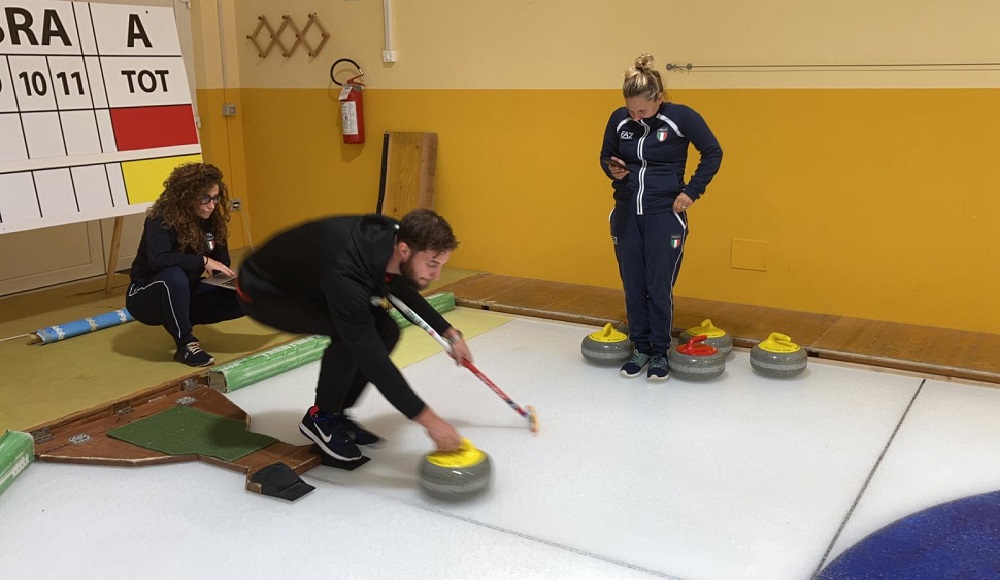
[[658, 369], [633, 367], [193, 356], [327, 430]]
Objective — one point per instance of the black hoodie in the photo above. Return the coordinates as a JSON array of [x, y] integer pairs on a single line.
[[340, 262]]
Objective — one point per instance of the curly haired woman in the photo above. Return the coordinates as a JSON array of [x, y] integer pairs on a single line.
[[184, 237]]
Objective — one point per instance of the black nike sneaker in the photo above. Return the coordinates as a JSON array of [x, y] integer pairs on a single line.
[[329, 432]]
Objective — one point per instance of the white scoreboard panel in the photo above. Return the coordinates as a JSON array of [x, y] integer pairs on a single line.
[[95, 110]]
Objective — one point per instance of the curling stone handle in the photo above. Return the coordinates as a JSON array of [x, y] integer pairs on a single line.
[[695, 346], [782, 339]]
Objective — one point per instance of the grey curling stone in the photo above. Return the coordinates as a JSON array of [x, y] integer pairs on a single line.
[[778, 357], [456, 476], [696, 361], [715, 336], [606, 347]]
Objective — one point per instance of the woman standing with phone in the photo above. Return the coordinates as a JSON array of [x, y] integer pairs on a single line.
[[645, 154]]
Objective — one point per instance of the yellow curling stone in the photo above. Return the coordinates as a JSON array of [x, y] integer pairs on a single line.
[[456, 475], [778, 357], [606, 347]]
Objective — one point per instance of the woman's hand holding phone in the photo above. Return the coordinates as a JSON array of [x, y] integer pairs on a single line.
[[616, 167]]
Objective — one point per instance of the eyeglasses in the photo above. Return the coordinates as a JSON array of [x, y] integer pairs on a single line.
[[207, 199]]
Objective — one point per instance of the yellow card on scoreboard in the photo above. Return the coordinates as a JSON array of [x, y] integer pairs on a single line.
[[144, 178]]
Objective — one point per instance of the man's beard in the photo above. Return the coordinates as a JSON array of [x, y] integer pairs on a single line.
[[409, 276]]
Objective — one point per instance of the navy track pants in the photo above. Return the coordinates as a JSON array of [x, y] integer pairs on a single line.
[[171, 300], [650, 249]]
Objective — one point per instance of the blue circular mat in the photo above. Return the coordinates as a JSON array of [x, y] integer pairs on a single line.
[[954, 540]]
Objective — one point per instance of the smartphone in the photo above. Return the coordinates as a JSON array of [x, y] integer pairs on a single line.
[[611, 161]]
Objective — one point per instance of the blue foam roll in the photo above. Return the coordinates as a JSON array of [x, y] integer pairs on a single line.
[[78, 327]]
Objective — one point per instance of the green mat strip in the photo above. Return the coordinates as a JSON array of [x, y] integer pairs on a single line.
[[442, 302], [184, 431], [17, 451], [263, 365], [257, 367]]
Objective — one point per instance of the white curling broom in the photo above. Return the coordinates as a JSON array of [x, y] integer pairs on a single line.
[[528, 413]]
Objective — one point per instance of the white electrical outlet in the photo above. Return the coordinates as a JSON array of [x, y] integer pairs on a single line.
[[388, 56]]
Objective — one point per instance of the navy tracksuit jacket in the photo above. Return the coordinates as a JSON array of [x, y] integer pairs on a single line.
[[649, 238], [165, 288]]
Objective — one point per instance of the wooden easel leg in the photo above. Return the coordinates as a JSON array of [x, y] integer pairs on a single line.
[[116, 239]]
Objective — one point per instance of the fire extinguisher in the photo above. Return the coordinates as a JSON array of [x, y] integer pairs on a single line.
[[352, 104]]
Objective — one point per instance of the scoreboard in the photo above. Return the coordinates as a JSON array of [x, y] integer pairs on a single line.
[[95, 110]]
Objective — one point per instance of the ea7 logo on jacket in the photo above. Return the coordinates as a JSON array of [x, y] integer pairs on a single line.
[[626, 135]]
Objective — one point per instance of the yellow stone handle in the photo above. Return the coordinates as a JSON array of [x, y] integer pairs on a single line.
[[466, 455], [608, 334], [708, 329], [777, 342]]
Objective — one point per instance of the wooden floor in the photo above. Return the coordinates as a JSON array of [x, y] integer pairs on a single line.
[[936, 351]]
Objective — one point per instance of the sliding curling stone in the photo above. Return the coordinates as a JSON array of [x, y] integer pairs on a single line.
[[606, 347], [716, 337], [778, 357], [456, 475], [696, 361]]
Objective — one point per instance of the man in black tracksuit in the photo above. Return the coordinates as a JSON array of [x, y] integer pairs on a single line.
[[645, 153], [321, 278]]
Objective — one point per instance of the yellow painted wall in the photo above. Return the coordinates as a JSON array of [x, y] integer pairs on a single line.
[[867, 192], [869, 207]]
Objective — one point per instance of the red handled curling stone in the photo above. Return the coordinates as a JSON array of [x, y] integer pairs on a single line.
[[715, 336], [696, 361]]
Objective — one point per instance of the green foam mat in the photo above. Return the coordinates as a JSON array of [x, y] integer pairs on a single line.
[[442, 302], [17, 451], [257, 367], [185, 431]]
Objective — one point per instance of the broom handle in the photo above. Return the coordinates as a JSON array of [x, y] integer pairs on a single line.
[[409, 313]]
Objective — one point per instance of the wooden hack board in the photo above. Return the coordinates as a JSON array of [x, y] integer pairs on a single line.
[[82, 437]]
